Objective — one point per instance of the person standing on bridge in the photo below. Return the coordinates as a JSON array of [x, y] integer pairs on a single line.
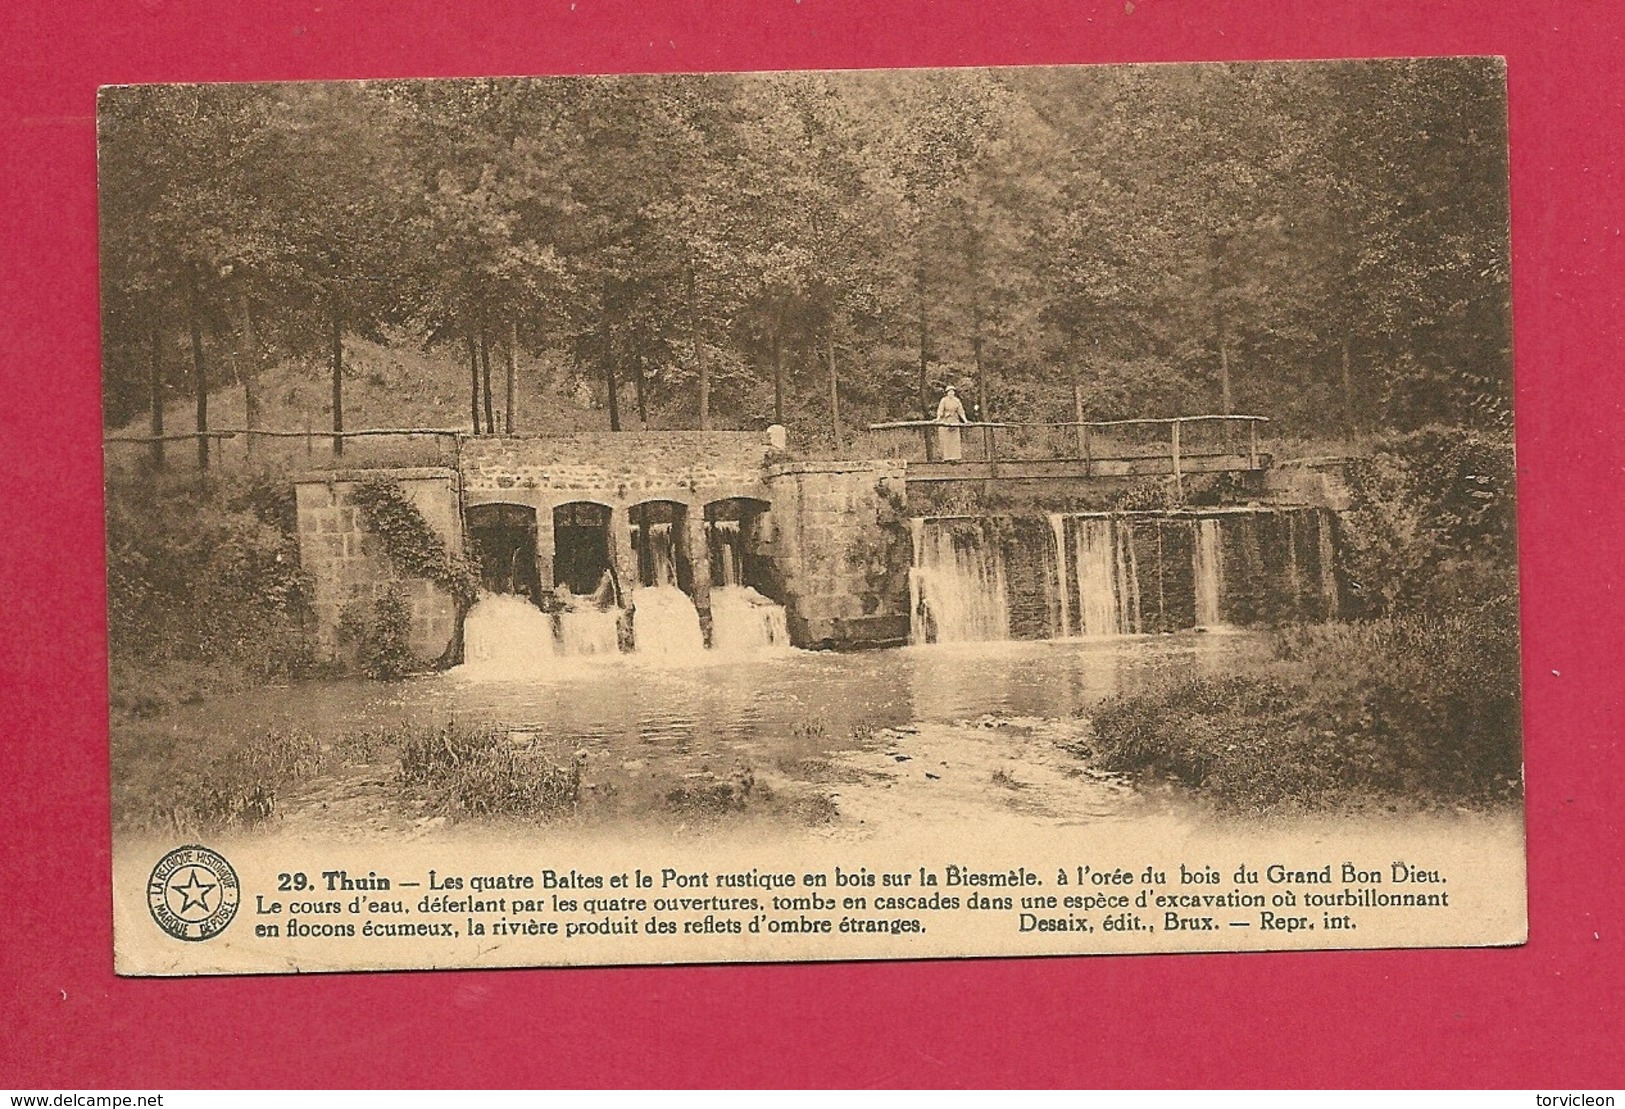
[[950, 414]]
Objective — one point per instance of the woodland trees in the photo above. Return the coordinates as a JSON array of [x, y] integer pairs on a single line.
[[1324, 244]]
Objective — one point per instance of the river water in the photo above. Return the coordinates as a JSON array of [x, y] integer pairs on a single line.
[[780, 699], [863, 741]]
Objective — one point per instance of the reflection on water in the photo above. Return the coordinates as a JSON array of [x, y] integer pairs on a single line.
[[799, 699]]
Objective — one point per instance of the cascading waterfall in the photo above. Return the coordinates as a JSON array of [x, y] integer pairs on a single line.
[[506, 638], [1207, 570], [743, 621], [1057, 527], [589, 630], [1098, 609], [665, 622], [662, 559], [725, 536], [1128, 577], [1123, 573], [957, 588]]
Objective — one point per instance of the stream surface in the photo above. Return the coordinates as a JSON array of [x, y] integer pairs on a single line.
[[822, 696], [846, 742]]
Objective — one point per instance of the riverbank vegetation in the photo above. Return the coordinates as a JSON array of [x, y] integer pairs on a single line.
[[205, 592], [1414, 702], [174, 777]]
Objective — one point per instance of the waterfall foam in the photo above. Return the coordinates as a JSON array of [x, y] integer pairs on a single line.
[[665, 623], [1063, 585], [744, 621], [1207, 570], [589, 630], [1098, 612], [506, 638], [957, 586]]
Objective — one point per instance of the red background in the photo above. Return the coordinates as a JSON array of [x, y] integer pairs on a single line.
[[1545, 1015]]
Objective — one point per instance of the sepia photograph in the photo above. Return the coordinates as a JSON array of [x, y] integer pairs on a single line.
[[810, 515]]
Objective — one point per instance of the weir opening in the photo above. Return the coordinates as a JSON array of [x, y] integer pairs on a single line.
[[580, 546], [744, 617], [503, 537], [976, 579], [665, 619]]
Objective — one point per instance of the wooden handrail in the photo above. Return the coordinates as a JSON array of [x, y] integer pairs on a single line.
[[233, 432], [897, 425]]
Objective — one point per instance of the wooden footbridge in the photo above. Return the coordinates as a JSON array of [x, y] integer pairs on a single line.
[[1174, 447]]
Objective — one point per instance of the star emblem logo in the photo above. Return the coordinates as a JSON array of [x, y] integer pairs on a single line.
[[194, 892]]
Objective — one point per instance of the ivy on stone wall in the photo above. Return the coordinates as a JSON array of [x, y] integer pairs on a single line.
[[410, 543]]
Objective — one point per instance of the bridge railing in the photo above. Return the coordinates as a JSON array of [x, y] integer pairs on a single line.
[[317, 449], [1176, 439]]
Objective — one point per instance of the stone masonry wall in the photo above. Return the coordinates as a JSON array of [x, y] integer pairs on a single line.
[[349, 564], [614, 468], [841, 550], [618, 469]]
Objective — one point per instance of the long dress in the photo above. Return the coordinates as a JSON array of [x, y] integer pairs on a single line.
[[950, 414]]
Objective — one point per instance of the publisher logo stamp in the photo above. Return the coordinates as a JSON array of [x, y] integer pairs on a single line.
[[193, 893]]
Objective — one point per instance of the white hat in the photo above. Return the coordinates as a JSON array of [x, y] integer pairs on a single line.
[[949, 389]]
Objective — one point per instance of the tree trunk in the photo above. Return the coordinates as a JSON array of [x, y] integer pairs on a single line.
[[834, 391], [606, 351], [926, 409], [778, 373], [1349, 412], [1077, 412], [485, 379], [155, 385], [700, 361], [975, 259], [200, 369], [513, 374], [248, 356], [473, 379], [981, 375], [1224, 381], [638, 390], [338, 374]]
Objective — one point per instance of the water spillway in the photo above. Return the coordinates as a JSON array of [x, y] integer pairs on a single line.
[[589, 630], [958, 591], [745, 622], [1120, 573], [506, 638], [666, 623]]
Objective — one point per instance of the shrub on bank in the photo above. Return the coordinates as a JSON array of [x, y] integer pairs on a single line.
[[1422, 708], [204, 588], [165, 784], [461, 772]]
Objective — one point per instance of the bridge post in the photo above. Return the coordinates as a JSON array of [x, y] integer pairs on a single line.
[[698, 553], [622, 556], [1179, 487], [1252, 444]]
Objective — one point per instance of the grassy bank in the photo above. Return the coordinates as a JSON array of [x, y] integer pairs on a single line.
[[1405, 710], [169, 779]]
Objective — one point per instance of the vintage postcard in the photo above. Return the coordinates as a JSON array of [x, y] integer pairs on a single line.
[[810, 516]]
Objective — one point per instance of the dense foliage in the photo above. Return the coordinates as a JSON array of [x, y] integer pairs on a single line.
[[204, 587], [1321, 243], [1417, 700], [1416, 709], [1431, 523], [411, 543]]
